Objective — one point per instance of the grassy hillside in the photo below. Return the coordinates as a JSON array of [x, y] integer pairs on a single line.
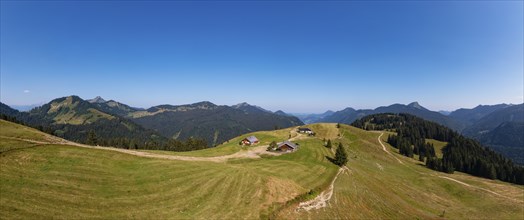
[[73, 118], [11, 133], [13, 130], [72, 182], [70, 110], [57, 181], [379, 186]]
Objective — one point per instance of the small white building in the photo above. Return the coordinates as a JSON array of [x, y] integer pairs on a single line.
[[305, 131]]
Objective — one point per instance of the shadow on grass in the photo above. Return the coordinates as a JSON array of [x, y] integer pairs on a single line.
[[331, 159]]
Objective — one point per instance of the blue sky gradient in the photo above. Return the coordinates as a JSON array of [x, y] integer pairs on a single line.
[[298, 56]]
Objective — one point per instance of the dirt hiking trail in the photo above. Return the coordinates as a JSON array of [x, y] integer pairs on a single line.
[[446, 177], [321, 200], [252, 152]]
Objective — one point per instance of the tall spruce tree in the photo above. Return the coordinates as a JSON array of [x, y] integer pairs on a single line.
[[341, 157], [328, 144]]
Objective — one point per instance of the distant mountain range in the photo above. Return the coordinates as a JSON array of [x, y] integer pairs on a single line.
[[349, 115], [72, 118], [498, 126], [213, 122], [468, 117]]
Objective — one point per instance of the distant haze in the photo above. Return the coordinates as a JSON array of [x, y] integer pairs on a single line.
[[304, 56]]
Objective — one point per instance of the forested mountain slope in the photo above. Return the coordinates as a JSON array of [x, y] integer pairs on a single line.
[[115, 123], [213, 122]]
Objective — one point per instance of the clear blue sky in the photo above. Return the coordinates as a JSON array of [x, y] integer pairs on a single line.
[[298, 56]]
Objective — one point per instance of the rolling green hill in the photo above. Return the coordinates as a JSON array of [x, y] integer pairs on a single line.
[[73, 118], [61, 181], [69, 110]]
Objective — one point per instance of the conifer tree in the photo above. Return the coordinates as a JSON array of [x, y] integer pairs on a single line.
[[341, 157], [421, 157], [328, 145]]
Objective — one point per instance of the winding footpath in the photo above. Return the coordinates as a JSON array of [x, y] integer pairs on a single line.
[[321, 200], [446, 177], [252, 152], [385, 150]]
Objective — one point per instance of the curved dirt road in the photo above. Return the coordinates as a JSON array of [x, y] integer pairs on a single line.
[[252, 152], [385, 150], [446, 177]]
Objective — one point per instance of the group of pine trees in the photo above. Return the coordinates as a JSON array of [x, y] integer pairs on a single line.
[[409, 149], [460, 154], [341, 156], [133, 143], [97, 136]]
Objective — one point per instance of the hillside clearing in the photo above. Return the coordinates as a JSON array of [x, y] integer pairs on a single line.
[[94, 182], [395, 190], [61, 181]]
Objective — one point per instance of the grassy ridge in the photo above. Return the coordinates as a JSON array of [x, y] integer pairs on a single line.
[[13, 130], [56, 181], [378, 186], [10, 133], [71, 182]]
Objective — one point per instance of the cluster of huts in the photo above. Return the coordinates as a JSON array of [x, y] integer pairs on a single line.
[[285, 146]]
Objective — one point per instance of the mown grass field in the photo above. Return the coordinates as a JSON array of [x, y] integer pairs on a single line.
[[67, 182], [378, 186], [56, 181], [12, 130]]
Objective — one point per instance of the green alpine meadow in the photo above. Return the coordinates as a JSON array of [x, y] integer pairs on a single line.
[[230, 110]]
